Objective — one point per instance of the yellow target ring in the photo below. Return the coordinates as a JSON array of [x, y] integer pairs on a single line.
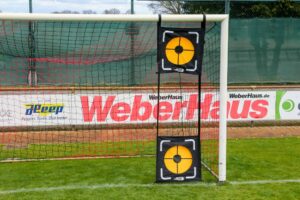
[[180, 51], [178, 159]]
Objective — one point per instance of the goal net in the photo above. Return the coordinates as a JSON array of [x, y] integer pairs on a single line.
[[85, 86]]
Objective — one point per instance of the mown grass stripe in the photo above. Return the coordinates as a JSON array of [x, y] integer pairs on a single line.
[[107, 186]]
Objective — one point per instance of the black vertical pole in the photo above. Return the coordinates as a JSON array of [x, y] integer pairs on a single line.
[[199, 122], [158, 74], [227, 6], [30, 6], [132, 7], [158, 90], [132, 42], [31, 44], [203, 26]]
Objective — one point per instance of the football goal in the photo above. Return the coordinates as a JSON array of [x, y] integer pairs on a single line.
[[82, 86]]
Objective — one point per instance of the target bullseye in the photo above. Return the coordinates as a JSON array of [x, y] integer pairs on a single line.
[[178, 159], [180, 51]]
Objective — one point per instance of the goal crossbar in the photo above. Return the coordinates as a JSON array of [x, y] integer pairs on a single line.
[[111, 17]]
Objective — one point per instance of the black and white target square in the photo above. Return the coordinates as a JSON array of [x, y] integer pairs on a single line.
[[177, 159], [180, 50]]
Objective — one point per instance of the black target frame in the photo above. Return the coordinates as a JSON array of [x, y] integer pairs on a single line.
[[164, 35], [164, 144], [194, 35]]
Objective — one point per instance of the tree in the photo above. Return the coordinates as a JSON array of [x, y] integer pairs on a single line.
[[239, 9], [170, 7], [128, 12], [112, 11], [286, 8], [212, 7], [66, 12], [282, 8], [89, 12], [185, 7]]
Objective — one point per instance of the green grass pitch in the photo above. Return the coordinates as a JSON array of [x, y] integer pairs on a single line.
[[249, 160]]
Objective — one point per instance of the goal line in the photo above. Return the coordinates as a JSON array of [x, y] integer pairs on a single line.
[[108, 186]]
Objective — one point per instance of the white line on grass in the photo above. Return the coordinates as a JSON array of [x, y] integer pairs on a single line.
[[100, 186], [264, 182], [107, 186]]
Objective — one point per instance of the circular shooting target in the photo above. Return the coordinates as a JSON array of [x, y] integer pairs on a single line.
[[180, 51], [178, 159]]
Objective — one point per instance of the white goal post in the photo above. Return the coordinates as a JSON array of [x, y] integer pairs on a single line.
[[220, 18]]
